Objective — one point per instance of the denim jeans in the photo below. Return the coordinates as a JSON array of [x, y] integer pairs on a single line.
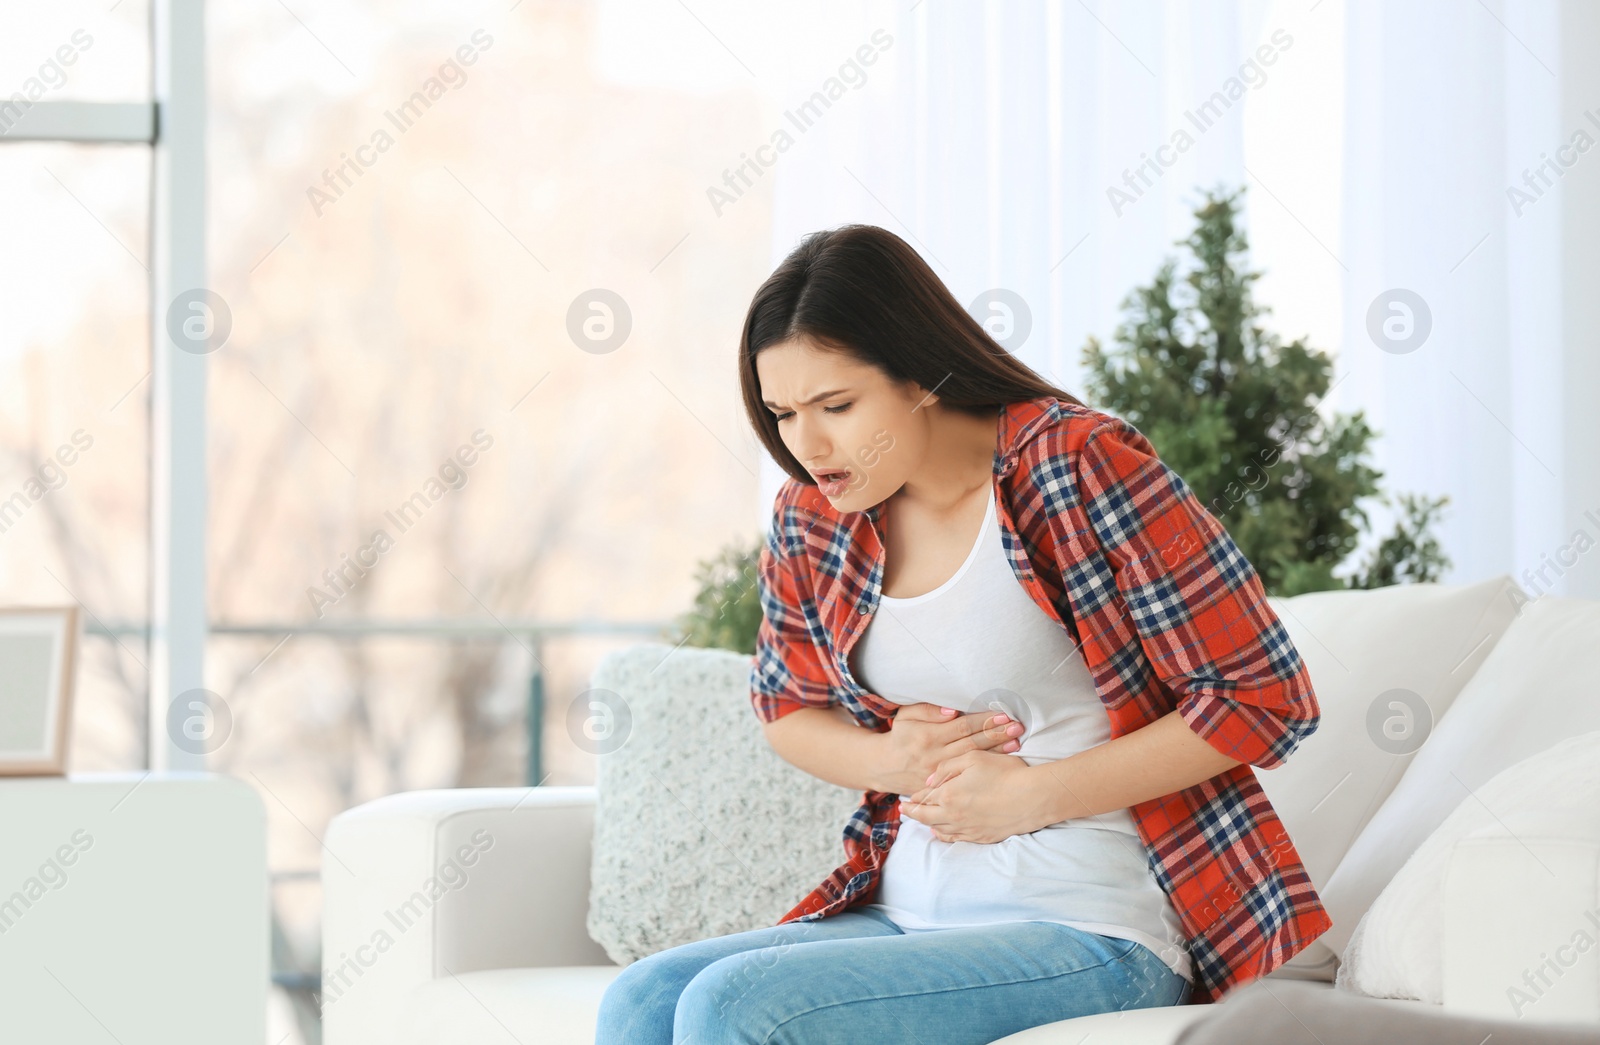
[[857, 976]]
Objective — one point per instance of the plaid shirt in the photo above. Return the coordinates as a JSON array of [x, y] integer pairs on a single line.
[[1168, 613]]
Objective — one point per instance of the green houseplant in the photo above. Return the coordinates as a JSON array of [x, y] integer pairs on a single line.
[[1233, 409], [727, 606]]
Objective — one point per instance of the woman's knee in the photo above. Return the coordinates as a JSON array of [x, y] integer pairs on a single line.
[[649, 981], [638, 1003], [736, 999]]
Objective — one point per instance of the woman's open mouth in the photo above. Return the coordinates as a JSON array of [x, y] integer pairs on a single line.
[[832, 484]]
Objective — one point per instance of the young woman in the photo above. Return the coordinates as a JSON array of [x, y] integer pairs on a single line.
[[997, 613]]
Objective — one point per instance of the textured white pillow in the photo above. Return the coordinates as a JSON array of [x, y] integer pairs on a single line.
[[1397, 950], [700, 828], [1536, 688], [1360, 647]]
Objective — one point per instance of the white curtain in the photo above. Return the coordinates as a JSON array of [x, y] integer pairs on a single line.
[[1451, 103], [1376, 142]]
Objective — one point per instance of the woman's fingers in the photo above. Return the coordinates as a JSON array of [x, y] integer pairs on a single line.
[[930, 815], [926, 815], [995, 731]]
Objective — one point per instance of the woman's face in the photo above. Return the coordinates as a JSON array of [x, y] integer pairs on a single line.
[[857, 431]]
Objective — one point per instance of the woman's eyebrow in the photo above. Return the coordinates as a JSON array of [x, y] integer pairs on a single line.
[[813, 399]]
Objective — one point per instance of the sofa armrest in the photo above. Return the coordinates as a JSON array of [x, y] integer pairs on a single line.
[[425, 884], [1521, 923]]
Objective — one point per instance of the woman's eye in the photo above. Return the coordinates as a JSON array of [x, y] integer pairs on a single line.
[[827, 410]]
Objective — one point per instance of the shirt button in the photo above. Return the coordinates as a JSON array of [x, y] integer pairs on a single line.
[[861, 607]]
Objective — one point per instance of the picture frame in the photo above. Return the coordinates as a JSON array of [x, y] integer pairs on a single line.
[[38, 661]]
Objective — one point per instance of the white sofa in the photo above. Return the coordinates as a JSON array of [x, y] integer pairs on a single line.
[[462, 916]]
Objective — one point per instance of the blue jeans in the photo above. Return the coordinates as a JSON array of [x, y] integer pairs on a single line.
[[857, 976]]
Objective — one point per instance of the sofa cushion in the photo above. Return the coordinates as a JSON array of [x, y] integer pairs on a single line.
[[1397, 949], [1266, 1012], [1156, 1025], [1536, 688], [701, 830], [554, 1006], [1386, 664]]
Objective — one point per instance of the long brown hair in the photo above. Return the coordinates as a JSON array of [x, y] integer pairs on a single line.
[[862, 290]]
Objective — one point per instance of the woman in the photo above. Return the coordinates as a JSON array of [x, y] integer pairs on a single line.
[[996, 612]]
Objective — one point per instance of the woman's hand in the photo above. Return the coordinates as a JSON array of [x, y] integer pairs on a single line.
[[980, 796], [923, 736]]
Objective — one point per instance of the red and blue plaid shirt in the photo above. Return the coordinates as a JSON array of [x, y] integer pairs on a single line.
[[1168, 613]]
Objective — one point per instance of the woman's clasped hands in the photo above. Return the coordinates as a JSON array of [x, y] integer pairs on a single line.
[[962, 783]]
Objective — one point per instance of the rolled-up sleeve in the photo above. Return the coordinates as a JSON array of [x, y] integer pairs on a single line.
[[786, 673], [1196, 603]]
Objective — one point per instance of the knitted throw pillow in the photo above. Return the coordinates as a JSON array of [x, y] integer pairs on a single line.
[[701, 830]]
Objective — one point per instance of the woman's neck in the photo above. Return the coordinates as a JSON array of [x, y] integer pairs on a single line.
[[958, 463]]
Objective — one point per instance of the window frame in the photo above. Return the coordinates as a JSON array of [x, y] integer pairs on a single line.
[[173, 124]]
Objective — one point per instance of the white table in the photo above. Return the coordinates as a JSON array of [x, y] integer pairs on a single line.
[[133, 909]]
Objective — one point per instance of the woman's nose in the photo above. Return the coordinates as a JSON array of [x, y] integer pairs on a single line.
[[807, 443]]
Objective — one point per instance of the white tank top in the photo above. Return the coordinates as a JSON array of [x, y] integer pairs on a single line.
[[978, 642]]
